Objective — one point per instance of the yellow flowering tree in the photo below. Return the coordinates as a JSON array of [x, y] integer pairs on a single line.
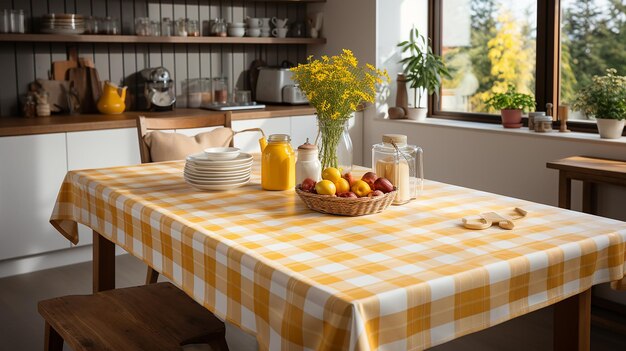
[[336, 86]]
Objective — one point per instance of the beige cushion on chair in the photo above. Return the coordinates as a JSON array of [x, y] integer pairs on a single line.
[[175, 146]]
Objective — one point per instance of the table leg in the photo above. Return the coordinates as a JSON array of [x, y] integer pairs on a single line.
[[572, 323], [589, 197], [103, 263], [565, 190]]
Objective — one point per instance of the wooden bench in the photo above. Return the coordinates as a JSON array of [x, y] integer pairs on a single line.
[[151, 317]]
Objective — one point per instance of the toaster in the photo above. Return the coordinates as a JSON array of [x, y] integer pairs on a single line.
[[275, 85]]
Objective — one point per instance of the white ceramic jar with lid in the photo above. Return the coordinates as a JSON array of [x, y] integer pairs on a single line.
[[308, 164], [401, 164]]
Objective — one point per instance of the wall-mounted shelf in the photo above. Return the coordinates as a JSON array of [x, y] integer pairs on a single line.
[[64, 38]]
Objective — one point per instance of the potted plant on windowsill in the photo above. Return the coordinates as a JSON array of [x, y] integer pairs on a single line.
[[511, 105], [423, 70], [605, 99]]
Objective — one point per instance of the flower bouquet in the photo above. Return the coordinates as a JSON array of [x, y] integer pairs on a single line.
[[336, 87]]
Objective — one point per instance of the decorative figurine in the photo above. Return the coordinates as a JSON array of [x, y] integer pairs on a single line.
[[563, 116]]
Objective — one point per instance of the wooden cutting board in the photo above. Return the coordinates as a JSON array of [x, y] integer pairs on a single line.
[[60, 68]]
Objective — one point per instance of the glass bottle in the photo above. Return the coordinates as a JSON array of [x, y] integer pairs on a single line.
[[401, 164], [278, 164], [4, 21], [166, 27], [220, 90], [308, 164], [193, 29]]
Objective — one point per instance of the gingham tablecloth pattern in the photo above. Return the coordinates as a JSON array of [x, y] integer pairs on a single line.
[[406, 279]]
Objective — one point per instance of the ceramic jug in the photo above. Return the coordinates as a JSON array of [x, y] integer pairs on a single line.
[[111, 102]]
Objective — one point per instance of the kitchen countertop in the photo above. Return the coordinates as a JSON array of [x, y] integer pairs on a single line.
[[12, 126]]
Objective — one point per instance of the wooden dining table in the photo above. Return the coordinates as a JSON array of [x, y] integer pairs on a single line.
[[408, 278]]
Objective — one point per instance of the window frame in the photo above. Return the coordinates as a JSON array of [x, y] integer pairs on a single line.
[[548, 57]]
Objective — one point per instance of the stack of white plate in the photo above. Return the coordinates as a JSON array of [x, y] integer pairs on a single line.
[[62, 23], [210, 171]]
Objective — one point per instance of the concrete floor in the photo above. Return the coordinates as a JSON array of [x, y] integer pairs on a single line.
[[21, 327]]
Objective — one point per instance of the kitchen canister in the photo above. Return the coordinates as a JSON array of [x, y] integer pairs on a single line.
[[401, 164], [308, 164]]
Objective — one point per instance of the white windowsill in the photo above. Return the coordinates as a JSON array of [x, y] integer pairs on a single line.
[[497, 128]]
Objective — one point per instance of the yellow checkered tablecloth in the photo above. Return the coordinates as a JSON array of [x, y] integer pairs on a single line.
[[406, 279]]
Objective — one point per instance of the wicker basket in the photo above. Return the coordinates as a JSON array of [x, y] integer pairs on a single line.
[[345, 206]]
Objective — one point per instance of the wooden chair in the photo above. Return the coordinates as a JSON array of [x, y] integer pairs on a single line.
[[149, 317], [146, 124]]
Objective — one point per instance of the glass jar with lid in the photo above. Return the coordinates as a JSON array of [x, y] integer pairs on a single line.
[[401, 164], [278, 164]]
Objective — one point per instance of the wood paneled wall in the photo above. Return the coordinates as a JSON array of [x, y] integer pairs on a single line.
[[22, 63]]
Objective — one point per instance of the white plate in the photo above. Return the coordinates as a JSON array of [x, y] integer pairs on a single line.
[[221, 153], [63, 31], [217, 187], [207, 175], [217, 183], [226, 169], [219, 180], [201, 158]]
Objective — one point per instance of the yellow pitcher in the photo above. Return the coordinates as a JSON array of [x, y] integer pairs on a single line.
[[111, 102], [278, 163]]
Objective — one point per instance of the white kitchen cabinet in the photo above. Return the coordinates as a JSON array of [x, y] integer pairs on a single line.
[[32, 169], [249, 142], [100, 149]]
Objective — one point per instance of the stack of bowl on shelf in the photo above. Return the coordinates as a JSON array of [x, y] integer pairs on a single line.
[[62, 23], [218, 168]]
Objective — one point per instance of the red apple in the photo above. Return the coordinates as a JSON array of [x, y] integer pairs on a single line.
[[307, 185], [349, 177], [348, 194], [383, 184], [369, 178], [377, 193]]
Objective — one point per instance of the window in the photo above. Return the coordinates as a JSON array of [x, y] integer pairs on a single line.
[[550, 48], [592, 40], [487, 44]]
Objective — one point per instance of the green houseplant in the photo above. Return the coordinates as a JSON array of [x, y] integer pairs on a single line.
[[422, 69], [605, 99], [511, 105]]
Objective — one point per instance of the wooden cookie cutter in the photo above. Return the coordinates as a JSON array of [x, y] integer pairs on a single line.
[[486, 220]]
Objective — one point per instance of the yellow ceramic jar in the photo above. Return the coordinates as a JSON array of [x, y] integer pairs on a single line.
[[278, 164]]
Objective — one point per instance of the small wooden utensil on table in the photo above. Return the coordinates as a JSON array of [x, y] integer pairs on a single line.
[[486, 220]]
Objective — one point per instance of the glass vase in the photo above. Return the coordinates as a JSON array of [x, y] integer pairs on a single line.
[[334, 143]]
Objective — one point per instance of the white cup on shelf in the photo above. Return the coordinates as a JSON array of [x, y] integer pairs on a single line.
[[253, 22], [280, 32], [253, 32], [280, 23]]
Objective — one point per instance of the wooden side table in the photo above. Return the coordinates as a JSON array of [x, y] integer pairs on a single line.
[[590, 171]]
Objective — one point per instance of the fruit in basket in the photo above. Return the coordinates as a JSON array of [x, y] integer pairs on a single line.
[[342, 186], [361, 188], [376, 193], [332, 174], [383, 184], [325, 187], [307, 185], [370, 179], [348, 194], [349, 177]]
